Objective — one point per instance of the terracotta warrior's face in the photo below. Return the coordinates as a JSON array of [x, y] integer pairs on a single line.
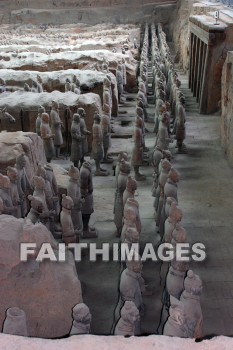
[[13, 175]]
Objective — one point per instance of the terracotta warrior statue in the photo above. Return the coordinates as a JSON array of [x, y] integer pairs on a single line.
[[175, 278], [169, 201], [131, 187], [12, 173], [137, 153], [47, 137], [131, 217], [5, 195], [131, 235], [68, 232], [123, 66], [74, 191], [52, 198], [121, 156], [97, 146], [67, 85], [84, 132], [75, 84], [106, 131], [175, 216], [174, 285], [41, 110], [176, 324], [107, 95], [120, 82], [119, 205], [163, 136], [24, 186], [192, 306], [86, 186], [53, 183], [130, 285], [39, 192], [56, 125], [171, 186], [81, 319], [36, 210], [129, 222], [128, 322], [179, 125], [166, 167], [77, 140]]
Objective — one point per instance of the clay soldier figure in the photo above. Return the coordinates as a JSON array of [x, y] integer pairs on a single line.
[[36, 210], [12, 173], [39, 83], [47, 137], [133, 204], [6, 195], [163, 136], [131, 187], [68, 232], [121, 156], [120, 82], [53, 183], [24, 187], [166, 167], [121, 186], [75, 85], [131, 236], [130, 285], [192, 306], [107, 94], [56, 125], [39, 194], [74, 191], [52, 200], [67, 85], [81, 319], [137, 153], [140, 114], [124, 73], [175, 278], [86, 187], [129, 222], [129, 319], [171, 186], [41, 110], [84, 132], [37, 87], [179, 126], [97, 146], [159, 110], [77, 139], [176, 324], [174, 284], [157, 156], [77, 89], [106, 131], [175, 216]]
